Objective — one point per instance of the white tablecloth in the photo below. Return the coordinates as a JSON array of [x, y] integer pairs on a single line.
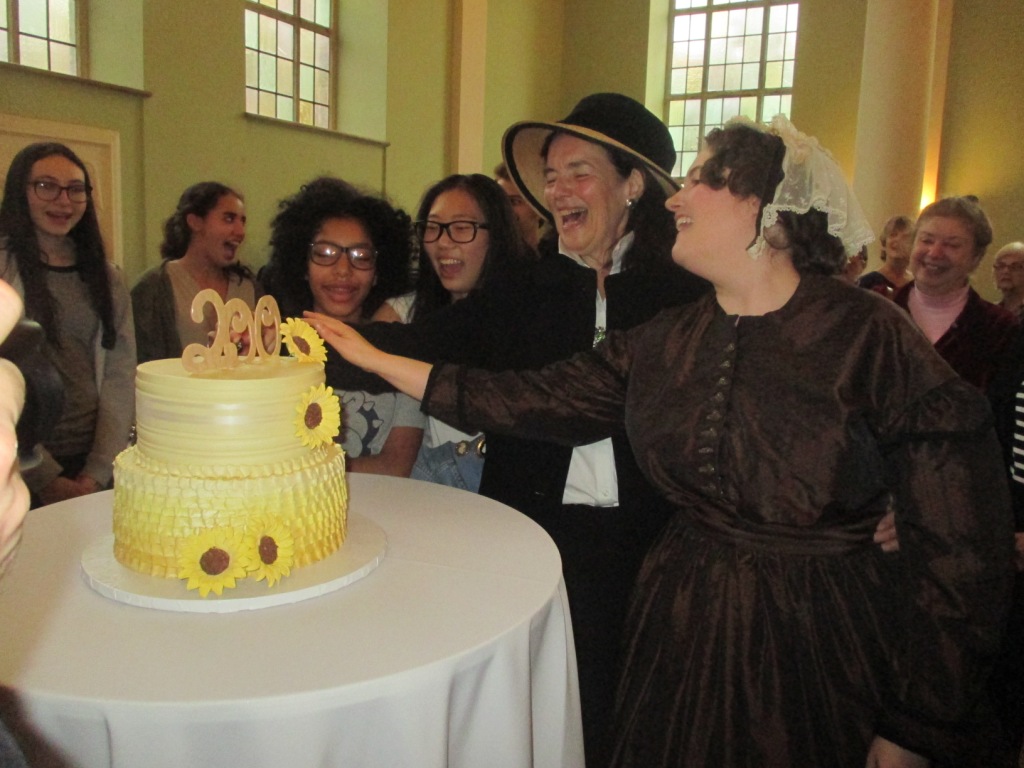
[[456, 651]]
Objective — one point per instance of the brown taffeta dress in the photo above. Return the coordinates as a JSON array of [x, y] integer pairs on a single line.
[[767, 629]]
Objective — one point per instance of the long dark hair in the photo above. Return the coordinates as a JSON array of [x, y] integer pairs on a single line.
[[299, 218], [22, 243], [505, 247], [748, 161], [652, 224]]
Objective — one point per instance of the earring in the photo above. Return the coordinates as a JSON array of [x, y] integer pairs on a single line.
[[630, 202]]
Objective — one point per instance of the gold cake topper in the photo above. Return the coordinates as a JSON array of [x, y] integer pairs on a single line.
[[234, 318]]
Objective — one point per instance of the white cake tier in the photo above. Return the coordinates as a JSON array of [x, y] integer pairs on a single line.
[[245, 416]]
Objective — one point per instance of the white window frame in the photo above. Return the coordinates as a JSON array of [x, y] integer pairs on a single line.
[[274, 79], [717, 78], [72, 43]]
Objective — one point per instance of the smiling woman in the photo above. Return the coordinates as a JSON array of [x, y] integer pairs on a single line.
[[200, 250], [341, 252], [54, 257]]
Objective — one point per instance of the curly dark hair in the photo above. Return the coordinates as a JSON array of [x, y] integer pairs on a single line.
[[505, 248], [299, 218], [22, 243], [198, 200], [748, 161], [652, 224]]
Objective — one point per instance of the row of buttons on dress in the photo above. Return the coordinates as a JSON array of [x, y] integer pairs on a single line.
[[709, 435]]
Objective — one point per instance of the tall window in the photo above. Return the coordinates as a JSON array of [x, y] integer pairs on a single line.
[[727, 58], [288, 53], [41, 34]]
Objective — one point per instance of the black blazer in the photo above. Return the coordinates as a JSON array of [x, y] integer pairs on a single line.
[[540, 315]]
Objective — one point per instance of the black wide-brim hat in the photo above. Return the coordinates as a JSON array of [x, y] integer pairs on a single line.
[[608, 119]]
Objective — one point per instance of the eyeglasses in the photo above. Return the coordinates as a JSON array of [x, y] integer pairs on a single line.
[[326, 254], [48, 191], [1015, 266], [458, 231]]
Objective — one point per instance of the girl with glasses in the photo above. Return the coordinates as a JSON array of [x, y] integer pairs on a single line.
[[199, 250], [468, 238], [342, 252], [52, 252]]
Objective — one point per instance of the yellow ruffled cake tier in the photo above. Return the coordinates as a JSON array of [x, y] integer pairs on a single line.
[[158, 508]]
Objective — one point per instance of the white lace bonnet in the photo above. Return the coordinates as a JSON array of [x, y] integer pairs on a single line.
[[811, 179]]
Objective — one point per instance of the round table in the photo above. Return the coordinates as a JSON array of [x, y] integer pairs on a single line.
[[455, 651]]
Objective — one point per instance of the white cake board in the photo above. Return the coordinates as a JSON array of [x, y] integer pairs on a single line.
[[363, 550]]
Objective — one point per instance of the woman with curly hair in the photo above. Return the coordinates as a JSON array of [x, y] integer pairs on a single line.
[[51, 251], [199, 250], [341, 252]]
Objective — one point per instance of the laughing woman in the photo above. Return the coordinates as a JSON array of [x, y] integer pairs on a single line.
[[766, 629], [200, 250], [52, 252]]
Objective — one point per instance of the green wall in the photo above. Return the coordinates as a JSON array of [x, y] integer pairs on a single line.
[[524, 68], [189, 124]]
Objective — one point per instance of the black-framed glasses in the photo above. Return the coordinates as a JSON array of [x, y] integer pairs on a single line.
[[48, 191], [326, 254], [458, 231]]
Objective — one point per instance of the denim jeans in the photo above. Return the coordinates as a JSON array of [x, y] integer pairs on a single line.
[[442, 464]]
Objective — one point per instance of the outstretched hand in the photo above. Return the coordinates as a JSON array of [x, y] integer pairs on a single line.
[[405, 374], [346, 340]]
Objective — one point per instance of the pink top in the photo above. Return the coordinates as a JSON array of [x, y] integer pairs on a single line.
[[934, 314]]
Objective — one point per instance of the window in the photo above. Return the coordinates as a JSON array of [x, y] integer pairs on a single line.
[[288, 53], [727, 58], [41, 34]]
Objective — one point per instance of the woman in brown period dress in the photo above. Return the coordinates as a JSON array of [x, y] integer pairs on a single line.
[[781, 415]]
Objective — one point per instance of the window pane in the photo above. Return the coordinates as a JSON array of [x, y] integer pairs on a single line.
[[63, 59], [733, 76], [62, 26], [787, 74], [285, 109], [305, 46], [305, 82], [5, 54], [323, 12], [285, 82], [321, 117], [34, 52], [32, 18], [694, 79], [716, 78], [307, 10], [751, 73], [252, 30], [268, 34], [306, 112], [252, 69], [771, 107], [252, 101], [268, 73], [323, 52], [286, 6], [3, 15], [285, 40], [773, 74], [268, 104], [321, 86]]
